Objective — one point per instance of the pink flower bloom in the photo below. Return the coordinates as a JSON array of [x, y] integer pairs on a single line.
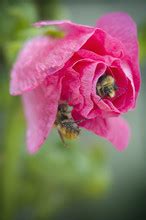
[[51, 69], [112, 50]]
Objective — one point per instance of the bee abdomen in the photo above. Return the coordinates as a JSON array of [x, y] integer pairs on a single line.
[[73, 134], [69, 132]]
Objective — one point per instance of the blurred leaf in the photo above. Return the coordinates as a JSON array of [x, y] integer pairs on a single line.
[[142, 42], [12, 158], [11, 50], [16, 18]]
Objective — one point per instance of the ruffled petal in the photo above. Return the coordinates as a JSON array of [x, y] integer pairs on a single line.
[[43, 56], [71, 88], [104, 44], [40, 107], [114, 129], [121, 26], [86, 68]]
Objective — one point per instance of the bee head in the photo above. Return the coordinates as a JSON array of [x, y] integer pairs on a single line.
[[109, 91], [63, 108]]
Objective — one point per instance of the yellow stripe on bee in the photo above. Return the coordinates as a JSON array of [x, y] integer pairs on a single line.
[[68, 134]]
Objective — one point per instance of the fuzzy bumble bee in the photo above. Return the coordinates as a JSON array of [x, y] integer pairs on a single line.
[[66, 126], [106, 86]]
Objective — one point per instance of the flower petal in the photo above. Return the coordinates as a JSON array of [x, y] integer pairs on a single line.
[[71, 88], [43, 56], [122, 26], [40, 108], [104, 44], [118, 132], [86, 68], [114, 129]]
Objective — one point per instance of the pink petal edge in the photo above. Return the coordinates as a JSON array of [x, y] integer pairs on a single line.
[[43, 56], [40, 107]]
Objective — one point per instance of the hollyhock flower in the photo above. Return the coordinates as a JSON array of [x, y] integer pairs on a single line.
[[69, 69], [111, 51]]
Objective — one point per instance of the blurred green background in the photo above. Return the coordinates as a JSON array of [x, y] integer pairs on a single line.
[[90, 179]]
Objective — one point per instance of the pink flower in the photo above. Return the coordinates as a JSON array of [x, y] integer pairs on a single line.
[[51, 69], [112, 50]]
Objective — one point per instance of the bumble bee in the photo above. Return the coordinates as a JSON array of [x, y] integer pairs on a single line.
[[106, 86], [66, 126]]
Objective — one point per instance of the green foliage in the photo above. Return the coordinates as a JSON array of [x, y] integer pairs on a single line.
[[56, 175], [14, 20], [142, 42]]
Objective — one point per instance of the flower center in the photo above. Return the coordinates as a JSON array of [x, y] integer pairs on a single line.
[[106, 86]]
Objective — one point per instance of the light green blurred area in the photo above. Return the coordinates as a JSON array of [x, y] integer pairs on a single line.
[[88, 179]]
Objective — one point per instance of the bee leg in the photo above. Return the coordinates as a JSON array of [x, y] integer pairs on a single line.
[[62, 138], [68, 112], [100, 99], [79, 121]]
